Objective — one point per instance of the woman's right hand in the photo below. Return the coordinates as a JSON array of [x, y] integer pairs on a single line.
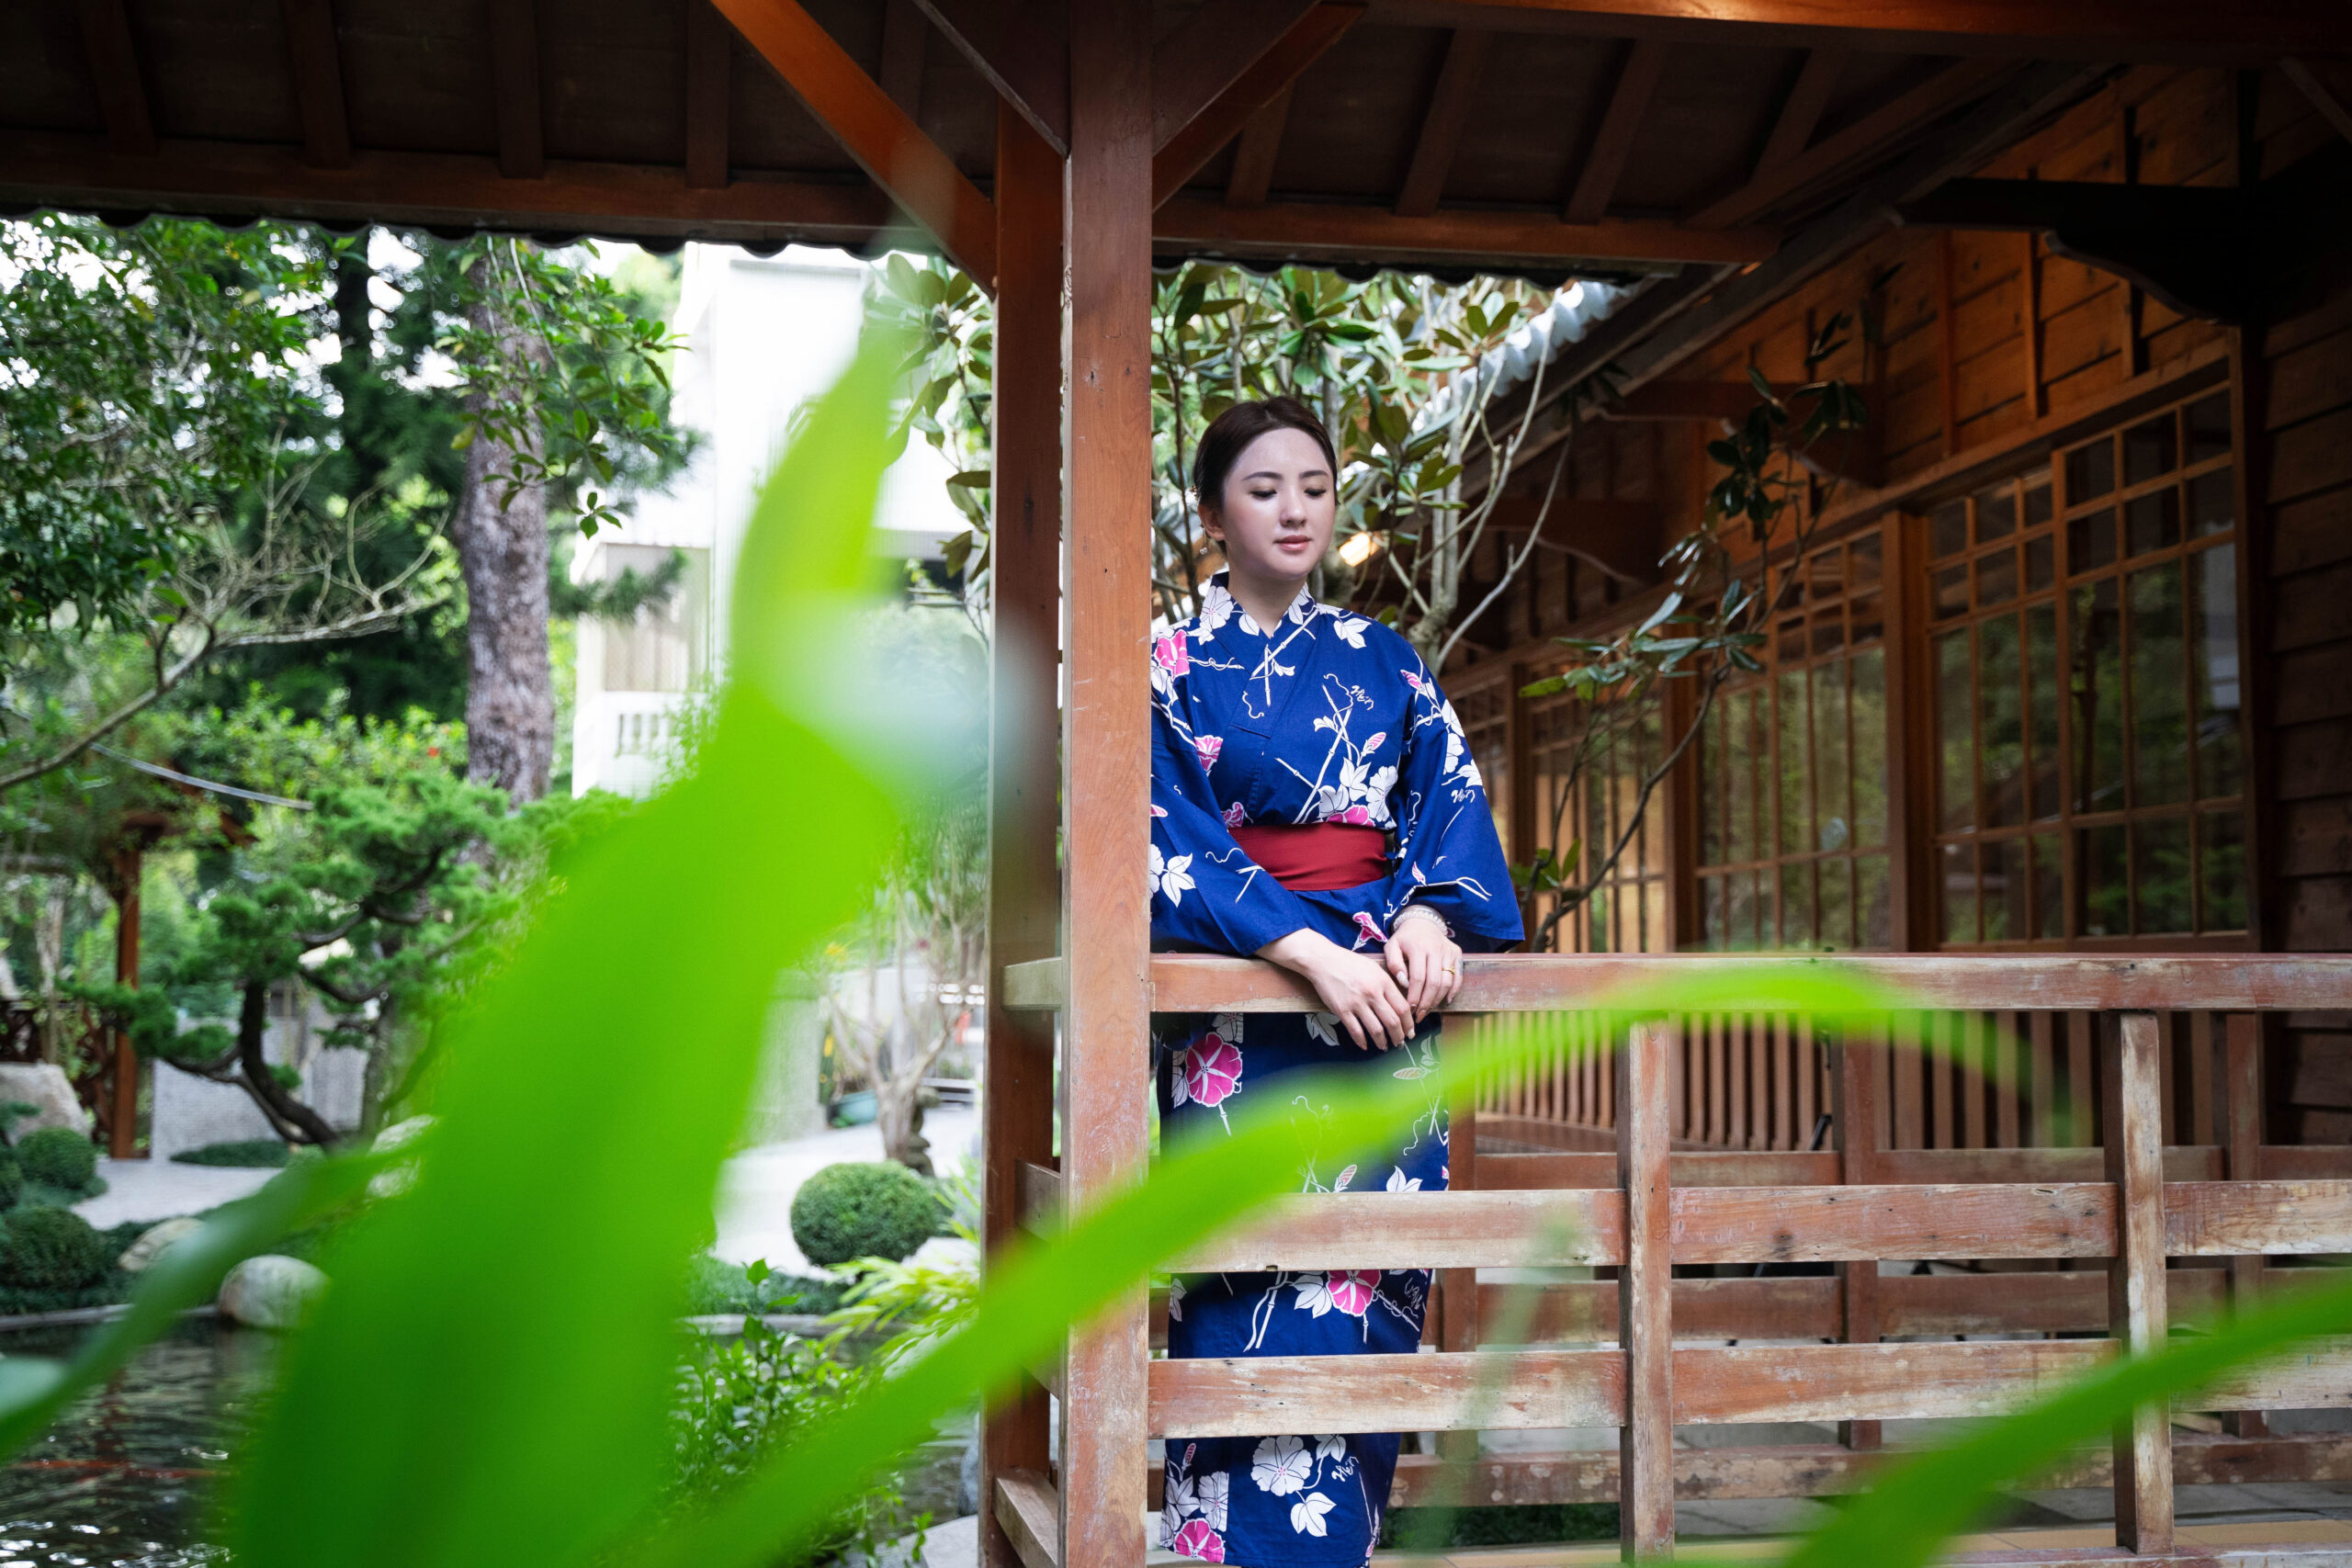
[[1354, 985]]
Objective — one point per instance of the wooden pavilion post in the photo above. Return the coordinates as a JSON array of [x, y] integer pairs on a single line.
[[2136, 1281], [1645, 1294], [1024, 898], [1106, 764], [1860, 1081]]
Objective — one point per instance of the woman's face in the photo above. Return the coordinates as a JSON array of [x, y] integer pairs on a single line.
[[1276, 516]]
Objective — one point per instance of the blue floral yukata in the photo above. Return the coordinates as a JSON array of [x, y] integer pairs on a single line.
[[1330, 718]]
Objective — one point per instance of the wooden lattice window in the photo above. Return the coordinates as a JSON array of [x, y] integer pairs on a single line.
[[1793, 820], [2084, 657], [1583, 808]]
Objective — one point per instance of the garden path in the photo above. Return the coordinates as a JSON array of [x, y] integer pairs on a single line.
[[159, 1189]]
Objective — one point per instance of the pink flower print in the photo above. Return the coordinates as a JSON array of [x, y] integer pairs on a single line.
[[1234, 815], [1196, 1540], [1212, 1070], [1172, 653], [1206, 747], [1160, 811], [1352, 1289], [1411, 680], [1374, 744], [1360, 816], [1371, 931]]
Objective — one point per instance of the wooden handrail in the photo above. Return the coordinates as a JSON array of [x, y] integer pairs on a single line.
[[1540, 982]]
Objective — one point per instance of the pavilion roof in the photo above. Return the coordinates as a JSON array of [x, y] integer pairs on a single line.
[[1549, 138]]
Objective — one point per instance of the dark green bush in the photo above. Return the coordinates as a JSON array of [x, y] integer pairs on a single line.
[[878, 1210], [252, 1153], [1435, 1529], [12, 1178], [58, 1156], [52, 1250], [719, 1287]]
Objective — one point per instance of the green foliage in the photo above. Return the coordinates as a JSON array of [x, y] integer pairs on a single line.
[[878, 1208], [154, 370], [718, 1287], [58, 1156], [111, 1286], [1436, 1530], [51, 1249], [740, 1398], [12, 1178], [248, 1153]]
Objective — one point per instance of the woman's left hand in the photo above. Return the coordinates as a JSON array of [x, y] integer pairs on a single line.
[[1425, 962]]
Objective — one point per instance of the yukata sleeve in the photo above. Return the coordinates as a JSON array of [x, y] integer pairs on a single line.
[[1448, 856], [1206, 891]]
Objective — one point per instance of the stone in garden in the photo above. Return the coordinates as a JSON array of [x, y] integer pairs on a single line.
[[43, 1085], [152, 1241], [271, 1291]]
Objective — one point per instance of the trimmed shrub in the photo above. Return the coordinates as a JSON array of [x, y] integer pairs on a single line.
[[58, 1156], [12, 1178], [52, 1250], [856, 1210], [251, 1153]]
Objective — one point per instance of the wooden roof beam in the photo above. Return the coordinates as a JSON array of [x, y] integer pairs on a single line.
[[317, 61], [1442, 127], [1801, 114], [1254, 157], [1265, 74], [114, 67], [2181, 31], [1703, 401], [1209, 51], [709, 85], [1940, 93], [2328, 85], [1284, 230], [1612, 143], [1025, 58], [515, 65], [873, 130]]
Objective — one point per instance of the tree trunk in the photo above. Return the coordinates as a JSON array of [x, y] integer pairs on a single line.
[[502, 553], [897, 1116], [283, 1109]]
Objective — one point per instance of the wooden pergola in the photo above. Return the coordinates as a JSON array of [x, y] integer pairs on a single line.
[[1725, 150]]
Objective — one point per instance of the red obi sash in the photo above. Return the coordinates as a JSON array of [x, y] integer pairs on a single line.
[[1317, 857]]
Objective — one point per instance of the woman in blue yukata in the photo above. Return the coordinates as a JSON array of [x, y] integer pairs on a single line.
[[1313, 803]]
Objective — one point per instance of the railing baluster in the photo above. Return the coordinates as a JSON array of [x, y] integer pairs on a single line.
[[1862, 1079], [1645, 1296], [2135, 1163]]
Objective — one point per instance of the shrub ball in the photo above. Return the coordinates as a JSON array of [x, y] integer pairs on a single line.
[[58, 1156], [52, 1250], [878, 1210]]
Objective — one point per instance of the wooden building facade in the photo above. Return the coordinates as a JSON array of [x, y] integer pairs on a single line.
[[1750, 161]]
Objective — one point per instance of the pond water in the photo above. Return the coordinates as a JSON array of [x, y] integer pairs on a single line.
[[124, 1478]]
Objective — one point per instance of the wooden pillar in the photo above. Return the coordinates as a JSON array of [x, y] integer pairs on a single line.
[[1645, 1295], [1458, 1287], [2135, 1163], [1862, 1081], [2242, 1117], [122, 1133], [1106, 764], [1024, 898]]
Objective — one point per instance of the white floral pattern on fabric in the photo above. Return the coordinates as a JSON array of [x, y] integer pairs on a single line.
[[1171, 877], [1306, 1514], [1282, 1466]]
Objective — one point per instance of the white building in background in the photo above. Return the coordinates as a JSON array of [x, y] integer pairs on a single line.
[[761, 337]]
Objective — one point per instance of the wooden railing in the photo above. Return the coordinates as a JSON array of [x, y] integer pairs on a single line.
[[1644, 1207]]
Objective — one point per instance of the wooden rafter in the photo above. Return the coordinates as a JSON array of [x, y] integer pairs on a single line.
[[1026, 60], [1374, 234], [114, 67], [906, 35], [873, 130], [1265, 76], [2327, 83], [1700, 400], [709, 59], [515, 65], [317, 62], [1253, 156], [1442, 127], [2189, 31], [1800, 115], [1208, 52], [1940, 93], [1612, 143]]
